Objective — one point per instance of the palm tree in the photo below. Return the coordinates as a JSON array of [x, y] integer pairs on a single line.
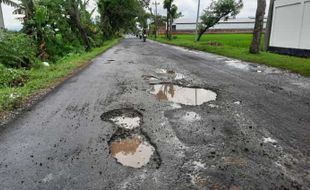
[[7, 2]]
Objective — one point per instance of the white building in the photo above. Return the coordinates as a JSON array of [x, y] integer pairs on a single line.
[[231, 25], [290, 30]]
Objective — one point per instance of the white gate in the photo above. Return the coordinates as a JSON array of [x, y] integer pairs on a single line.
[[291, 24]]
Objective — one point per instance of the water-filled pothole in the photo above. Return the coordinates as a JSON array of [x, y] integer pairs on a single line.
[[170, 74], [132, 151], [182, 95], [125, 118]]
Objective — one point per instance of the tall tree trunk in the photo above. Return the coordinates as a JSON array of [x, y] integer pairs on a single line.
[[170, 28], [167, 28], [259, 24], [201, 32], [269, 25], [84, 36], [1, 18]]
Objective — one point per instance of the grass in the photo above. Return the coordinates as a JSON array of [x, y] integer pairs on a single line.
[[44, 78], [237, 46]]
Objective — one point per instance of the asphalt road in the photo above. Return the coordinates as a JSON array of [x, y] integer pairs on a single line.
[[255, 135]]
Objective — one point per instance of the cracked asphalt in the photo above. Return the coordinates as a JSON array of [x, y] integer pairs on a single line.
[[255, 135]]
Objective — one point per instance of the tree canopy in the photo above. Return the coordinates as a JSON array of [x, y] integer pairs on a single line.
[[217, 10]]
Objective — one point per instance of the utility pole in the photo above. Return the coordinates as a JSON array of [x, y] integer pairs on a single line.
[[156, 22], [197, 20]]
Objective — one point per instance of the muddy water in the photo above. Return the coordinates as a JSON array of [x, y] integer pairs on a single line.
[[182, 95], [132, 151]]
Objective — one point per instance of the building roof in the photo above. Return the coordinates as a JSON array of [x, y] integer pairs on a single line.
[[230, 20]]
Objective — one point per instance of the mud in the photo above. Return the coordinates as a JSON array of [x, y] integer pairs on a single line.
[[133, 148], [132, 151]]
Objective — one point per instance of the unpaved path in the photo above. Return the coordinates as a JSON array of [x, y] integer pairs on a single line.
[[245, 127]]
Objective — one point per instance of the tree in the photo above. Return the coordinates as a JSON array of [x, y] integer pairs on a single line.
[[218, 10], [7, 2], [73, 10], [172, 14], [269, 25], [259, 25], [119, 15]]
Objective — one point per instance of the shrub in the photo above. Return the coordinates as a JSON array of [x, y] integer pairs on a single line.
[[10, 77], [17, 50]]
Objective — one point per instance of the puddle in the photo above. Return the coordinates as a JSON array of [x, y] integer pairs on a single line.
[[124, 118], [269, 140], [182, 95], [237, 102], [132, 151], [237, 64], [170, 74]]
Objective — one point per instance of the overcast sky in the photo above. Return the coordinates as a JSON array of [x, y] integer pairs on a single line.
[[187, 7]]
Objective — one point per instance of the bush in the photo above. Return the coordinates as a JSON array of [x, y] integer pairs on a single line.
[[17, 50], [12, 77]]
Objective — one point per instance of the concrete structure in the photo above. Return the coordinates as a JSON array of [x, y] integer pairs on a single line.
[[290, 30], [232, 25]]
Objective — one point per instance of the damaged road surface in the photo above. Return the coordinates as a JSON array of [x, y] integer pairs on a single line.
[[153, 116]]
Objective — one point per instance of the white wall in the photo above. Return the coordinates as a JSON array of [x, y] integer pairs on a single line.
[[291, 24], [219, 26]]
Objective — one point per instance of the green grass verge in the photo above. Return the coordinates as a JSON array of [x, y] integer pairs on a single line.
[[40, 80], [237, 46]]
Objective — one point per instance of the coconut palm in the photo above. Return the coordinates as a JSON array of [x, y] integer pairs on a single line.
[[7, 2]]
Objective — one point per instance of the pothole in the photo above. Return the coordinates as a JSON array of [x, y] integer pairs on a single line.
[[182, 95], [170, 74], [132, 151], [124, 118]]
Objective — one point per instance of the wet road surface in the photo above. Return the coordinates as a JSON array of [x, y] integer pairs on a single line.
[[153, 116]]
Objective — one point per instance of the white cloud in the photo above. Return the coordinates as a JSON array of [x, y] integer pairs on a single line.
[[187, 7]]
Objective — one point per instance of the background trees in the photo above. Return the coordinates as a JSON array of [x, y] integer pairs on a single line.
[[172, 14], [216, 11], [120, 16]]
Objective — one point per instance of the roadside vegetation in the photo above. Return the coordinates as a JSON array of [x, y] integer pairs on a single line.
[[57, 38], [237, 46], [18, 86]]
